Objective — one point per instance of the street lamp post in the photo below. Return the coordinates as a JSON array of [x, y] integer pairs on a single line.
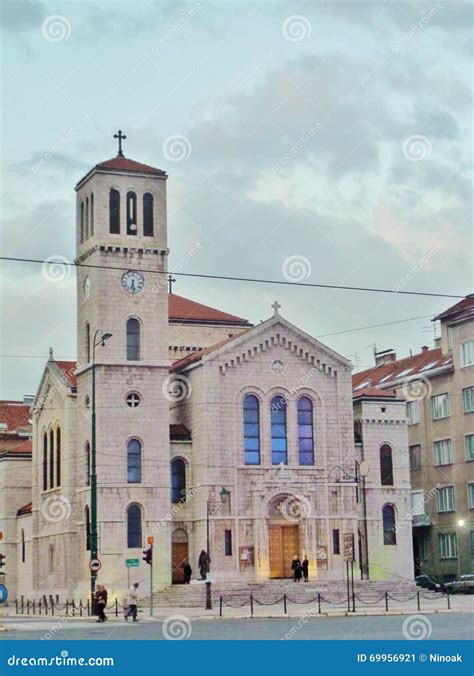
[[460, 525], [93, 539], [208, 563]]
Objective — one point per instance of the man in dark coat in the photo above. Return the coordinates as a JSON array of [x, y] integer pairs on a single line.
[[101, 601], [305, 568], [203, 564], [296, 568], [187, 571]]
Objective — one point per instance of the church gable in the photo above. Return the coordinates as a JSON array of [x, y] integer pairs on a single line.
[[58, 381]]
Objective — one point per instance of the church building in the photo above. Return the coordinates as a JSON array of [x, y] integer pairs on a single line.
[[189, 427]]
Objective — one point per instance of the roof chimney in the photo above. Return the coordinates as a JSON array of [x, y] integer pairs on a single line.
[[28, 399], [385, 357], [424, 349]]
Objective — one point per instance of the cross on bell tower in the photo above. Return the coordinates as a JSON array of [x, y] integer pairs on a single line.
[[121, 137]]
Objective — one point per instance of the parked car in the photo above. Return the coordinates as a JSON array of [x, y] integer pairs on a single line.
[[462, 585], [428, 582]]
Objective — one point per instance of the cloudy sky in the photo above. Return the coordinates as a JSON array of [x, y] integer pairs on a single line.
[[327, 142]]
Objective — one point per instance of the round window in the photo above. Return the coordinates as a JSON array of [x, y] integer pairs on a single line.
[[133, 399]]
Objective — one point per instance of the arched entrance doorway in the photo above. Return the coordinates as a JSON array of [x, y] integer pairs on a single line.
[[179, 551], [285, 513]]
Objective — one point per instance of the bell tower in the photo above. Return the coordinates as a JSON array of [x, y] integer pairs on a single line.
[[122, 290]]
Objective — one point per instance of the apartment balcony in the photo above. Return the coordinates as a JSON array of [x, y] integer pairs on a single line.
[[421, 521]]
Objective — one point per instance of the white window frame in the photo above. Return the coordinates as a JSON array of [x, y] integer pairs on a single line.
[[417, 501], [443, 454], [444, 397], [471, 398], [467, 353], [450, 503], [470, 495], [448, 545], [467, 437], [413, 412]]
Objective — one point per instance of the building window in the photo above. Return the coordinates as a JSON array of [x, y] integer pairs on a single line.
[[386, 466], [132, 213], [51, 558], [468, 393], [51, 459], [58, 456], [88, 463], [178, 480], [448, 545], [278, 429], [134, 526], [417, 503], [88, 342], [251, 430], [423, 547], [443, 452], [86, 227], [469, 446], [413, 412], [450, 338], [148, 214], [114, 212], [467, 353], [133, 399], [440, 406], [446, 502], [45, 462], [133, 339], [305, 431], [228, 543], [91, 229], [134, 461], [82, 222], [336, 543], [388, 519], [23, 546], [88, 529], [415, 457], [470, 491]]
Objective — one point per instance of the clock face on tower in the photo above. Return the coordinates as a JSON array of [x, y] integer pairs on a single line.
[[133, 282]]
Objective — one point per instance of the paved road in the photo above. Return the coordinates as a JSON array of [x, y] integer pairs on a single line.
[[443, 626]]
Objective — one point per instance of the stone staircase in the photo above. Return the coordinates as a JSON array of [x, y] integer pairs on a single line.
[[233, 593]]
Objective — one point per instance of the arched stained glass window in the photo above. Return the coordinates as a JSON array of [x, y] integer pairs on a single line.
[[178, 480], [305, 431], [389, 531], [278, 429], [386, 466], [51, 459], [134, 461], [133, 339], [251, 430], [58, 456], [45, 462], [134, 526]]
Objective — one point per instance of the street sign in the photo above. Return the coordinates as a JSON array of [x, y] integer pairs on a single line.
[[150, 540], [95, 565], [3, 593], [132, 563], [348, 546]]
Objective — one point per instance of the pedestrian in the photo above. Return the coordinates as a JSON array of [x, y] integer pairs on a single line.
[[132, 602], [203, 563], [296, 568], [101, 601], [187, 571], [305, 567]]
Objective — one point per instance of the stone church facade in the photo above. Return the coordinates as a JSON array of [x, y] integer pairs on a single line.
[[205, 424]]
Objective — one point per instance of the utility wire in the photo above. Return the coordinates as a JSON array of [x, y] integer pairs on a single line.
[[234, 279]]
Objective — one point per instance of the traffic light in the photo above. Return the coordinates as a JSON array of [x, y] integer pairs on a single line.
[[2, 560], [148, 555]]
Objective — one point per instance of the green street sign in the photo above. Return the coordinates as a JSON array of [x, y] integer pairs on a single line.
[[132, 563]]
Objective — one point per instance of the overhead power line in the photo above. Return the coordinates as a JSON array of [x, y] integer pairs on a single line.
[[254, 280]]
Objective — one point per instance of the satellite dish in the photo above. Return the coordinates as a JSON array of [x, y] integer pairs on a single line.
[[364, 468]]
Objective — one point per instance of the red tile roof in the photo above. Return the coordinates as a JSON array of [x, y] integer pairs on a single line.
[[123, 164], [68, 369], [465, 307], [26, 509], [25, 447], [420, 364], [184, 309], [15, 415], [197, 356]]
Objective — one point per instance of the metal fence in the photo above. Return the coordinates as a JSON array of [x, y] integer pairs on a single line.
[[69, 608]]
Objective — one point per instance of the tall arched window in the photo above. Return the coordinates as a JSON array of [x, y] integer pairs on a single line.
[[51, 558], [131, 213], [45, 462], [88, 342], [88, 463], [251, 430], [389, 532], [86, 227], [133, 339], [305, 431], [114, 211], [82, 221], [88, 529], [51, 459], [58, 456], [23, 546], [386, 466], [178, 480], [91, 222], [134, 526], [134, 461], [148, 214], [278, 428]]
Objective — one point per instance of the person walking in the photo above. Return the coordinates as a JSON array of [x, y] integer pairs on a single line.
[[305, 568], [132, 602], [101, 601], [187, 571], [296, 568], [203, 563]]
